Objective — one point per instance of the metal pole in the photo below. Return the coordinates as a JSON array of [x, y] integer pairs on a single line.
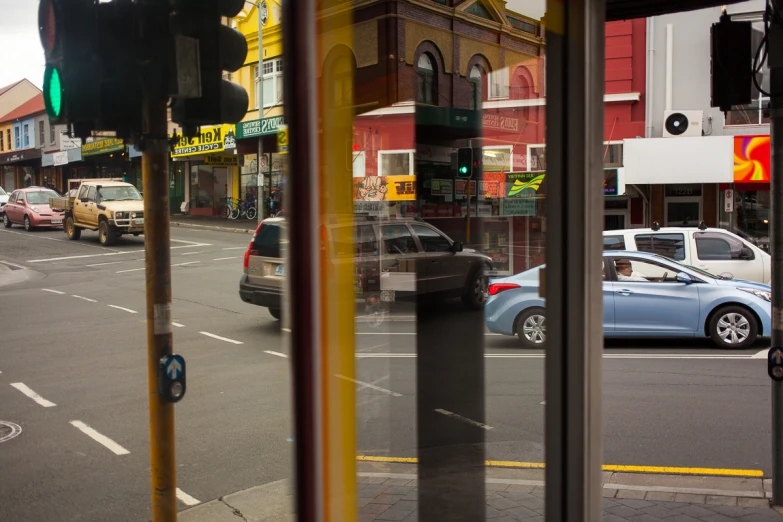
[[260, 98], [157, 237], [776, 244]]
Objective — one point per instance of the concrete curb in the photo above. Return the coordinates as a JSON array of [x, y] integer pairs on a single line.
[[212, 227]]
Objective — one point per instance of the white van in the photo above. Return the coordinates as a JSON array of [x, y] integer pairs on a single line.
[[713, 249]]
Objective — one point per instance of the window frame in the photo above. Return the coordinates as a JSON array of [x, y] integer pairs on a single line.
[[381, 153], [382, 240], [275, 77], [728, 239], [614, 236], [449, 242], [651, 234]]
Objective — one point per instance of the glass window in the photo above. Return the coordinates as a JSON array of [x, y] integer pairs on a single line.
[[12, 199], [643, 271], [41, 134], [427, 92], [614, 243], [395, 163], [83, 192], [2, 142], [431, 240], [475, 87], [17, 138], [91, 194], [498, 84], [366, 242], [40, 197], [26, 133], [51, 132], [397, 239], [669, 245], [714, 246], [267, 240], [273, 83]]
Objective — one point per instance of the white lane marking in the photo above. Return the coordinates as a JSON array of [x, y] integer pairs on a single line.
[[235, 248], [14, 264], [464, 419], [191, 253], [270, 352], [186, 499], [178, 325], [52, 291], [191, 243], [368, 385], [362, 355], [100, 438], [84, 298], [188, 263], [762, 354], [385, 333], [226, 339], [360, 387], [286, 330], [123, 309], [22, 387], [130, 270], [15, 430], [83, 256], [103, 264], [190, 246], [224, 258], [30, 235]]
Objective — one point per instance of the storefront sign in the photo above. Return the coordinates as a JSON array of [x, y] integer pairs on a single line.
[[385, 188], [66, 142], [441, 187], [524, 184], [611, 182], [484, 210], [519, 207], [752, 159], [255, 128], [495, 121], [60, 158], [211, 139], [21, 155], [461, 186], [213, 160], [496, 160], [282, 139], [493, 186], [105, 146], [728, 199]]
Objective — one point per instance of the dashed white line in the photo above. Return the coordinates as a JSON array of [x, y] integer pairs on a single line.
[[191, 243], [219, 338], [100, 438], [368, 385], [52, 291], [191, 253], [186, 499], [188, 263], [123, 309], [84, 298], [235, 248], [83, 256], [8, 263], [270, 352], [464, 419], [178, 325], [22, 387], [130, 270], [224, 258], [103, 264]]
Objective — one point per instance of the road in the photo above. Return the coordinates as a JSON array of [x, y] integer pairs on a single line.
[[73, 363]]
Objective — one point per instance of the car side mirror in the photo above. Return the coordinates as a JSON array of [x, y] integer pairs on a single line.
[[682, 277], [746, 253], [84, 200], [457, 246]]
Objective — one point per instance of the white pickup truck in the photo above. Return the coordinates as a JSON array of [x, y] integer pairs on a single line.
[[110, 206]]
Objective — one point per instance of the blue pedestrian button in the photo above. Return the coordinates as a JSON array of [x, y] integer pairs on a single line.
[[171, 378], [775, 363]]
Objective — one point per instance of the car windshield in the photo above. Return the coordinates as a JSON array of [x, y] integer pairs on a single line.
[[119, 194], [40, 197]]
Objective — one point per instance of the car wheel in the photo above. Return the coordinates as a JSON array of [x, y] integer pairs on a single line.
[[71, 230], [27, 225], [106, 234], [6, 220], [733, 327], [531, 328], [275, 312], [476, 291]]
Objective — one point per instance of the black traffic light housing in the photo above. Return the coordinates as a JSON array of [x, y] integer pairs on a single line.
[[218, 48], [464, 162], [732, 63]]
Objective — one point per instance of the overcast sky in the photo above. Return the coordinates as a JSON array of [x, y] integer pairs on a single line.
[[22, 55]]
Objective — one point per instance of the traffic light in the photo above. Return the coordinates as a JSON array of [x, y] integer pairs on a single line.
[[218, 48], [464, 162]]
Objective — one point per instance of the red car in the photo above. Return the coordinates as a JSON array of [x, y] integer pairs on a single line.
[[30, 207]]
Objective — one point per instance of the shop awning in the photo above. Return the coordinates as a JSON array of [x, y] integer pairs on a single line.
[[21, 156]]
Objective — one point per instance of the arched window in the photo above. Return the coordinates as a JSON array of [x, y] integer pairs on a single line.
[[428, 83], [475, 87]]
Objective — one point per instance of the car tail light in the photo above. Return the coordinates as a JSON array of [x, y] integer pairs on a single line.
[[495, 289], [250, 251]]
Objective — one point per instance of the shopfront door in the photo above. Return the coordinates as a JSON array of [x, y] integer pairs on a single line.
[[614, 220]]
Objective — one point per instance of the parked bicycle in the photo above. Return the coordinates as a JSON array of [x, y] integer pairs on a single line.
[[246, 209], [226, 210]]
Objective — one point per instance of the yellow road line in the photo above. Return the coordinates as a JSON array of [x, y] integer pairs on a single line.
[[608, 467]]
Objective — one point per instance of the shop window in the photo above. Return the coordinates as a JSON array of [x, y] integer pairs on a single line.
[[395, 163], [668, 245], [427, 81], [614, 243], [714, 246]]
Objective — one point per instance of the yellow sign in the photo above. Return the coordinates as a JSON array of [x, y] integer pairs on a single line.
[[212, 160], [209, 140], [282, 139], [385, 188]]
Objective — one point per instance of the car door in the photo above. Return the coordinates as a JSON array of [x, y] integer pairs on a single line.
[[80, 205], [91, 212], [401, 261], [608, 291], [11, 208], [719, 253], [445, 270], [654, 303]]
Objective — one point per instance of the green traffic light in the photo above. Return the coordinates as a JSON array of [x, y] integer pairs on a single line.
[[463, 169], [53, 94]]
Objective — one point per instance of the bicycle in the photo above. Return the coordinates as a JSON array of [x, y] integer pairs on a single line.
[[243, 209], [226, 210]]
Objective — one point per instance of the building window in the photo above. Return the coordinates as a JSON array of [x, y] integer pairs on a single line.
[[478, 9], [273, 82], [2, 142], [753, 113], [498, 84], [475, 88], [17, 138], [41, 133], [51, 132], [359, 164], [395, 162], [522, 25], [26, 133], [428, 89]]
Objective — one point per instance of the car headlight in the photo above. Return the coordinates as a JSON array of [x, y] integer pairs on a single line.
[[119, 215], [767, 296], [34, 209]]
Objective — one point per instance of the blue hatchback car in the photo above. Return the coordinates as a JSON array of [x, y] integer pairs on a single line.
[[645, 295]]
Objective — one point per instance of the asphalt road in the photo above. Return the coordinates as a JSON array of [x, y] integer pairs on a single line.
[[73, 363]]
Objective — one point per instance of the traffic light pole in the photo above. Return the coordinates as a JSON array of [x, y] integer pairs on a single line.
[[157, 233]]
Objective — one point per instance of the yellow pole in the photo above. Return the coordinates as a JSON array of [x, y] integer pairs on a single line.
[[467, 222], [155, 170]]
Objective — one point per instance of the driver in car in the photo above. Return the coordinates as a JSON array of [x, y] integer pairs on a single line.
[[625, 271]]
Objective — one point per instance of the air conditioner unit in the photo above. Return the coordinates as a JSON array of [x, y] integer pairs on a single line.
[[682, 124]]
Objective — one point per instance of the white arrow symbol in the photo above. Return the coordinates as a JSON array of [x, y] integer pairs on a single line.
[[174, 368], [777, 356]]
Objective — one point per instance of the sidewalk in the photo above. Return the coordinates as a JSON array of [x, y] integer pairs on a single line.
[[389, 492], [242, 226]]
